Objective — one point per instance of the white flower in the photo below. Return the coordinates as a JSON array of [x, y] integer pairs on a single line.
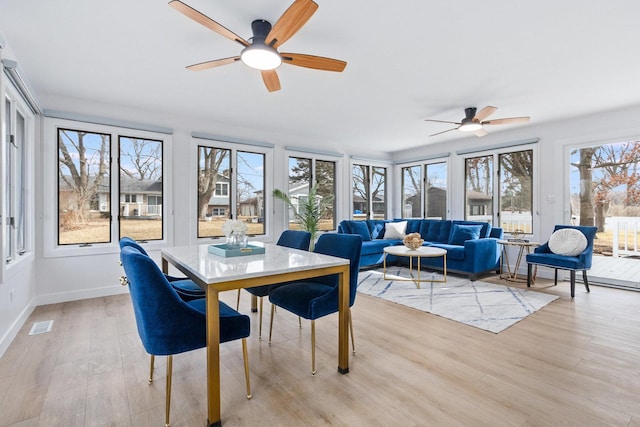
[[234, 226]]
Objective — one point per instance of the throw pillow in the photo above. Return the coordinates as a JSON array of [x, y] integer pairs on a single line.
[[567, 242], [395, 230], [361, 228], [462, 233], [377, 231]]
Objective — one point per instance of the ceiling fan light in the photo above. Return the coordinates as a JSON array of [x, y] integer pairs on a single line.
[[470, 127], [261, 57]]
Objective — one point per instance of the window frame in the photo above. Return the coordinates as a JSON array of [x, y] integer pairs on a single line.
[[51, 249], [387, 186], [22, 164], [266, 150], [496, 154], [337, 184], [422, 166]]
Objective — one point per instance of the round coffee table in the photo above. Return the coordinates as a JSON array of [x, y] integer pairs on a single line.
[[421, 252]]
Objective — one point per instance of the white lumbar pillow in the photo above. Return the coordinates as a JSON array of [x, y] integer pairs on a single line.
[[568, 242], [395, 230]]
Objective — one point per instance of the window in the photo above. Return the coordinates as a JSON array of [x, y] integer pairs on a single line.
[[322, 173], [220, 170], [430, 180], [83, 174], [435, 194], [516, 191], [100, 200], [412, 192], [369, 192], [479, 189], [141, 183], [16, 121], [222, 189], [513, 195]]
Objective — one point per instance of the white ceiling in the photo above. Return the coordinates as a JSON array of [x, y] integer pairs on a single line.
[[407, 61]]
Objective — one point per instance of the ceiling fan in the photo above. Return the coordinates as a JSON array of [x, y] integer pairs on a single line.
[[474, 122], [261, 51]]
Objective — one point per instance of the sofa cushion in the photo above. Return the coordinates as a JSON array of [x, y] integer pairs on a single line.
[[377, 246], [413, 226], [361, 228], [345, 226], [453, 251], [567, 242], [377, 231], [485, 231], [461, 233], [395, 230], [444, 230]]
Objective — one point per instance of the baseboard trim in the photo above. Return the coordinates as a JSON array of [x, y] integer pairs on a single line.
[[9, 336], [58, 297]]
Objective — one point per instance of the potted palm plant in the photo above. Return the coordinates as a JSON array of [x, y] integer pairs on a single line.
[[309, 212]]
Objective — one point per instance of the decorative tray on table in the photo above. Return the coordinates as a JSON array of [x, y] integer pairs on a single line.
[[225, 250]]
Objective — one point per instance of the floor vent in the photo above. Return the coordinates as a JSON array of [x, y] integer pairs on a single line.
[[41, 327]]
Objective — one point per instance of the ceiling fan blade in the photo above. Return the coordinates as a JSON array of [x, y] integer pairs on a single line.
[[509, 120], [480, 132], [315, 62], [291, 21], [442, 121], [271, 80], [211, 64], [200, 18], [484, 113], [444, 131]]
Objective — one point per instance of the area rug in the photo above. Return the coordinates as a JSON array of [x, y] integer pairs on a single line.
[[484, 305]]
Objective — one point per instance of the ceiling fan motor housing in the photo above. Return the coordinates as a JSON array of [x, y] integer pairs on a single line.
[[261, 29]]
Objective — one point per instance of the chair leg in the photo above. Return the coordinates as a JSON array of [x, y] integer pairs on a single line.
[[167, 408], [151, 363], [260, 327], [353, 340], [299, 322], [529, 268], [313, 347], [584, 279], [245, 354], [273, 311], [238, 301], [555, 277], [573, 284]]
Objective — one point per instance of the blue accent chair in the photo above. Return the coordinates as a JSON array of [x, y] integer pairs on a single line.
[[295, 239], [167, 324], [543, 256], [186, 288], [317, 297]]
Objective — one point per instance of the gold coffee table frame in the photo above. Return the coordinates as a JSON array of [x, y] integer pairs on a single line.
[[421, 252]]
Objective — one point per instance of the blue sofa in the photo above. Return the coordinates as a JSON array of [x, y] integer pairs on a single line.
[[472, 247]]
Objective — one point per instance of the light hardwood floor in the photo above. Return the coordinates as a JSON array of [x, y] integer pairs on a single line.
[[570, 364]]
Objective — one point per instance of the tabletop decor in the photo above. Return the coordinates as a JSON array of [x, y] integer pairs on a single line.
[[413, 241], [235, 230], [226, 250]]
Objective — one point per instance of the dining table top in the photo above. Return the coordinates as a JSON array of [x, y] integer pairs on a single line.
[[208, 268]]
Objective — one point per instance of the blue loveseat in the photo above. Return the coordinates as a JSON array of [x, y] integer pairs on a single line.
[[472, 247]]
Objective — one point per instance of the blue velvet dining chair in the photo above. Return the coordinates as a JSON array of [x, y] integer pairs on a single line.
[[295, 239], [544, 256], [318, 297], [167, 324], [186, 288]]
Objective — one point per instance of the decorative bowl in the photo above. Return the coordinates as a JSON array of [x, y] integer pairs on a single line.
[[413, 241]]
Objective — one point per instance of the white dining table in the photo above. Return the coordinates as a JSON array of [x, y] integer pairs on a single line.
[[215, 274]]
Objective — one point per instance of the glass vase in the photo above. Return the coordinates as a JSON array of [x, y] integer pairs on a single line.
[[236, 240]]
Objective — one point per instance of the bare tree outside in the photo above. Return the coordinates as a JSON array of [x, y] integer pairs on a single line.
[[83, 187]]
